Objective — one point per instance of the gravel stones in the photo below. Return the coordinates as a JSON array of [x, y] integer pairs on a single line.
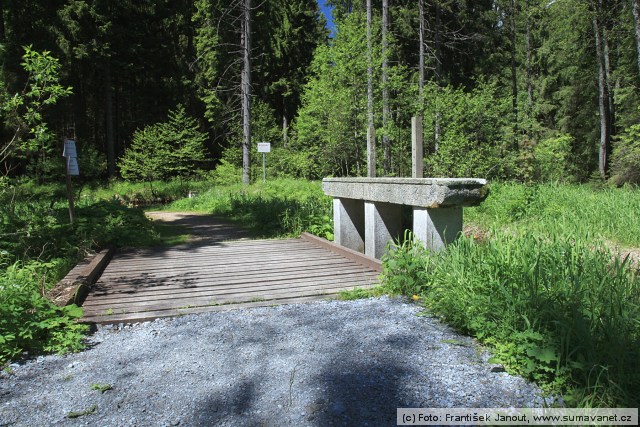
[[316, 364]]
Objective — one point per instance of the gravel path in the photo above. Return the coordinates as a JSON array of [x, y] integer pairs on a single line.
[[317, 364]]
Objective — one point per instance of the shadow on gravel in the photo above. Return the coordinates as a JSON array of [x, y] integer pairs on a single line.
[[362, 395], [229, 407]]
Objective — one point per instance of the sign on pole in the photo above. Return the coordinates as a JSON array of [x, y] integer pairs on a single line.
[[69, 148], [72, 166], [70, 154], [264, 148]]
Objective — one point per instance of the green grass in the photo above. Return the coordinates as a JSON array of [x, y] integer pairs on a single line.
[[154, 193], [171, 235], [283, 207], [562, 210], [361, 293], [544, 290]]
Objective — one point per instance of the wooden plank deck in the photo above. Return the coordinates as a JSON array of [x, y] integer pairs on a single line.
[[146, 284]]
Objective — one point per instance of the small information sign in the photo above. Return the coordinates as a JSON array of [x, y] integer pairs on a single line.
[[69, 148], [72, 166], [71, 156], [264, 147]]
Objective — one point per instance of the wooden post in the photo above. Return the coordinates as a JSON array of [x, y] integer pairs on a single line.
[[417, 153], [245, 83], [371, 152]]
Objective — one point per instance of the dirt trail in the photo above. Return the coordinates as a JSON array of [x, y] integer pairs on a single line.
[[201, 227]]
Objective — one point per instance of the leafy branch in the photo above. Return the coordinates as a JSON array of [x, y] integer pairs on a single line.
[[24, 110]]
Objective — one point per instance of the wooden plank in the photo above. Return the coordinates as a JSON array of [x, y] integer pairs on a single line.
[[193, 271], [74, 287], [212, 248], [162, 293], [201, 302], [152, 315], [236, 261], [146, 284], [221, 260], [228, 289], [235, 283], [358, 257], [108, 294], [222, 253]]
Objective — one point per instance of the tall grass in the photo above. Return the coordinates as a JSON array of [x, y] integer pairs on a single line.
[[559, 209], [545, 290], [282, 207], [143, 193]]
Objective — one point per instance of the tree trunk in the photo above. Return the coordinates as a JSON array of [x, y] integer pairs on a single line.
[[246, 94], [3, 35], [285, 123], [438, 49], [514, 75], [110, 144], [608, 78], [603, 98], [636, 23], [385, 90], [421, 54], [529, 73], [371, 147]]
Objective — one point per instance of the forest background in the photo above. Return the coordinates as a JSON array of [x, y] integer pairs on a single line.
[[509, 89]]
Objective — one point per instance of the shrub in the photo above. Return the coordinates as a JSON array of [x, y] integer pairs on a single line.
[[226, 174], [164, 150], [28, 321], [625, 159], [552, 159], [23, 112], [37, 248]]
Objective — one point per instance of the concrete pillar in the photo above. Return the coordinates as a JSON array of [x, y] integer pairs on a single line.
[[383, 223], [348, 223], [437, 227]]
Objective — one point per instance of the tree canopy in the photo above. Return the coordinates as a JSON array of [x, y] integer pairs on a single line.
[[508, 86]]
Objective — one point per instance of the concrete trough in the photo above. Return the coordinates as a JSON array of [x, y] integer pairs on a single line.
[[368, 211]]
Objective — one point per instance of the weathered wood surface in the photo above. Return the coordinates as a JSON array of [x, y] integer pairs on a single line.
[[147, 284]]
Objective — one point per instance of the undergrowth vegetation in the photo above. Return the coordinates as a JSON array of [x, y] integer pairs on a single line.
[[282, 207], [562, 210], [542, 287], [38, 247]]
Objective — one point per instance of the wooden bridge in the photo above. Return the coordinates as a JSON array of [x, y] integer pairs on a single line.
[[213, 275]]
